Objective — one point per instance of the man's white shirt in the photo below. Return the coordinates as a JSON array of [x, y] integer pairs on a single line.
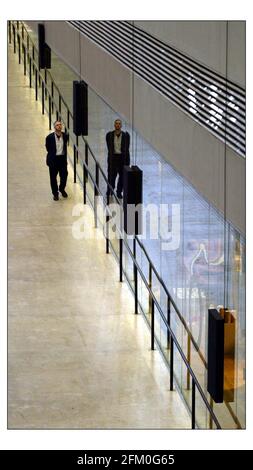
[[59, 144]]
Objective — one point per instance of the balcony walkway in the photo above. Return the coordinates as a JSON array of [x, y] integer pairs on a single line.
[[78, 357]]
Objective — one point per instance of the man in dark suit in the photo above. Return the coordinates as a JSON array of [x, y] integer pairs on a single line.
[[118, 155], [56, 145]]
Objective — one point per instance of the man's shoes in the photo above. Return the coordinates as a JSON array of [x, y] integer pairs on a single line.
[[64, 194], [56, 197]]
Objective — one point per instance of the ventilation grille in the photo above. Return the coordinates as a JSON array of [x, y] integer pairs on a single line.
[[212, 101]]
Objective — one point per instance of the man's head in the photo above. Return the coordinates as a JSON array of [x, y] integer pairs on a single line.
[[117, 125], [58, 127]]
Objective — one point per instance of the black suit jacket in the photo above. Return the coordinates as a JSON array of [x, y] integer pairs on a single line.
[[51, 149], [125, 142]]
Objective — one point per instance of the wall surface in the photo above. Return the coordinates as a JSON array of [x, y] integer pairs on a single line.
[[206, 42], [193, 151]]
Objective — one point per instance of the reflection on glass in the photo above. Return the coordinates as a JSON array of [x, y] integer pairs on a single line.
[[229, 353]]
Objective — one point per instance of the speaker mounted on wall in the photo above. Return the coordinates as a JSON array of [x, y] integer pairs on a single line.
[[80, 108], [44, 49], [132, 200], [215, 372], [47, 56]]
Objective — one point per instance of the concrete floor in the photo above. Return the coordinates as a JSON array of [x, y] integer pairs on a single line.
[[78, 357]]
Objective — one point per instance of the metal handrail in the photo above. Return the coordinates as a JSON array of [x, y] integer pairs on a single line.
[[48, 71], [174, 338], [172, 301], [135, 263]]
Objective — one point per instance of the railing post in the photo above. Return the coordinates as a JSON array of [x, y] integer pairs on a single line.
[[36, 84], [107, 224], [86, 157], [27, 42], [49, 112], [77, 156], [84, 184], [9, 27], [19, 49], [193, 404], [150, 286], [188, 359], [24, 52], [68, 116], [33, 56], [74, 163], [97, 179], [43, 98], [171, 363], [96, 196], [168, 320], [46, 84], [14, 38], [22, 31], [85, 175], [30, 72], [57, 115], [135, 279], [52, 94], [120, 259], [152, 324]]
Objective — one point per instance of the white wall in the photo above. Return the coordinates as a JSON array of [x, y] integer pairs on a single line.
[[206, 42], [237, 52]]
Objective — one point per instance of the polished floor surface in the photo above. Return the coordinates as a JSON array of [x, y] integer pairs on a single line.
[[78, 357]]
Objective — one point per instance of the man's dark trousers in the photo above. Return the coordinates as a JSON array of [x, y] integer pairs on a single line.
[[115, 167], [59, 166]]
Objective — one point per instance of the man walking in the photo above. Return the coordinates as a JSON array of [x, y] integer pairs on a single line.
[[118, 155], [56, 145]]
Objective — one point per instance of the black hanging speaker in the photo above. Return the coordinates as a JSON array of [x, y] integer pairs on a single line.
[[47, 57], [132, 197], [44, 49], [80, 108], [215, 372], [41, 39]]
